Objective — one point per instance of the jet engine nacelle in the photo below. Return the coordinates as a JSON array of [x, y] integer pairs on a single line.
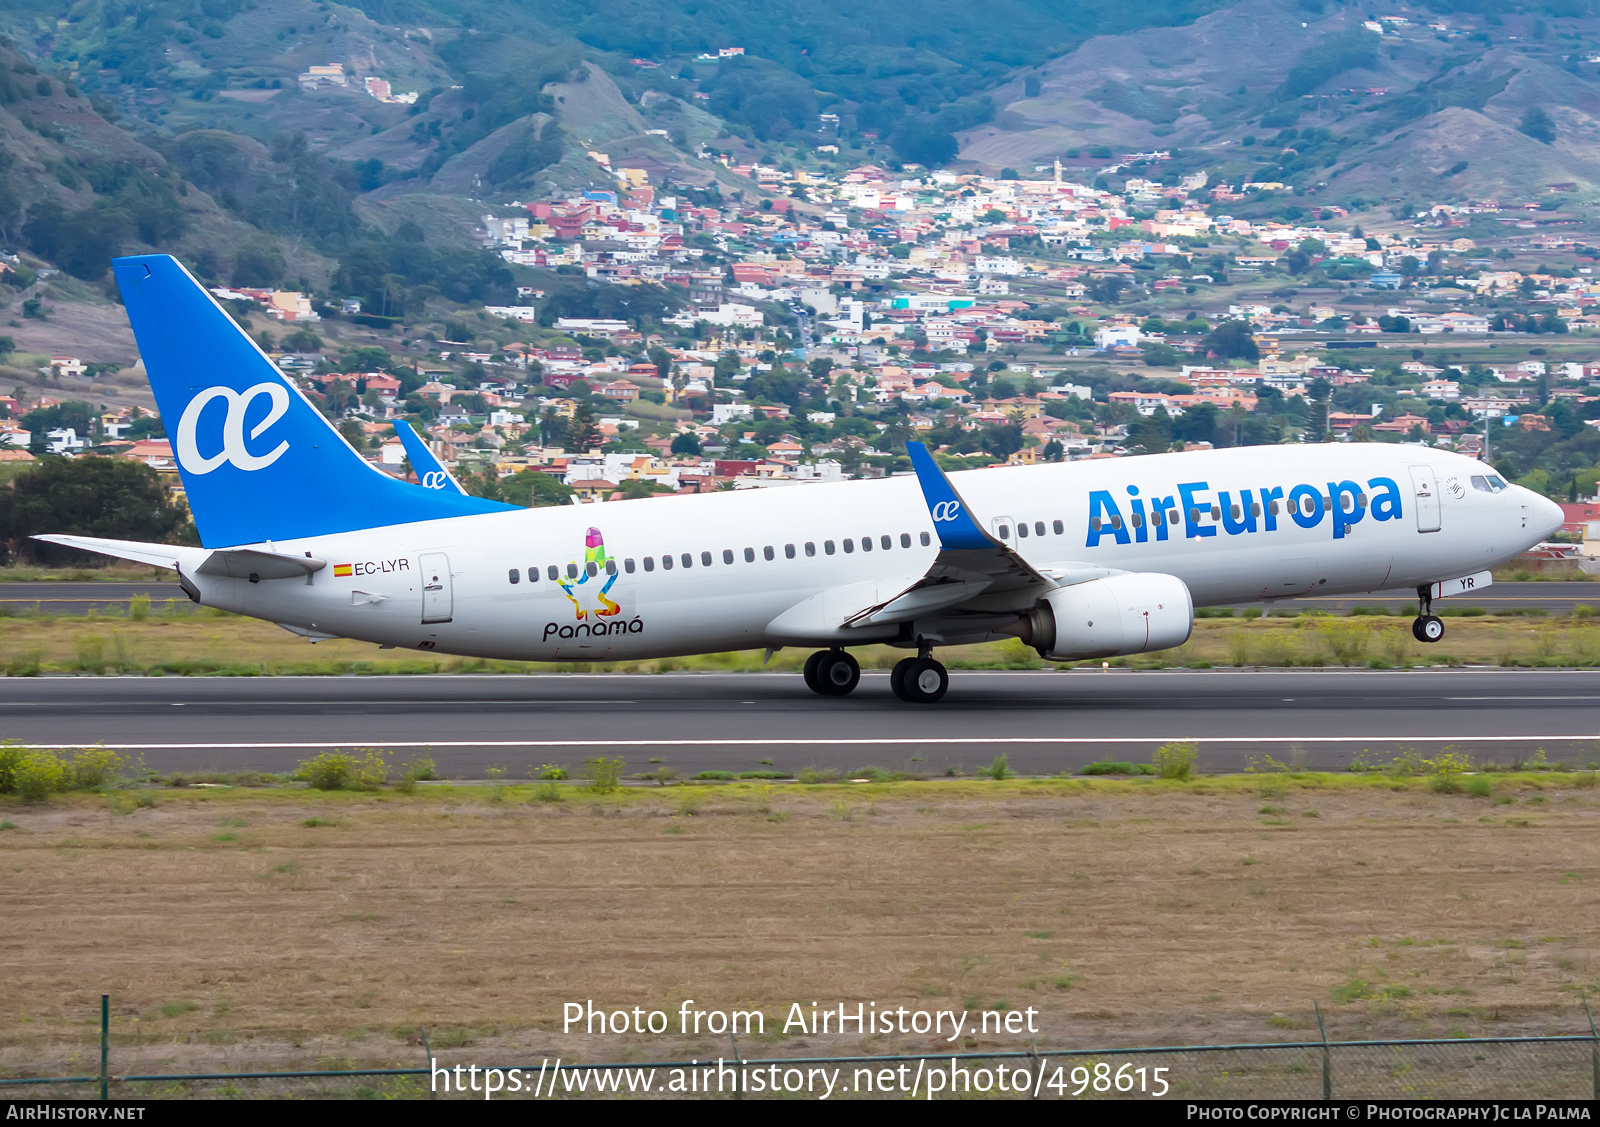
[[1121, 614]]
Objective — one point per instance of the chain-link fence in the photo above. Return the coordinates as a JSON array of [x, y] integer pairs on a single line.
[[1547, 1068]]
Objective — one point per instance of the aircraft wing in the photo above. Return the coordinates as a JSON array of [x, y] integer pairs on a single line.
[[975, 583], [973, 571]]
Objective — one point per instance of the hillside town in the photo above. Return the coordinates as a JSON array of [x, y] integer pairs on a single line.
[[819, 322]]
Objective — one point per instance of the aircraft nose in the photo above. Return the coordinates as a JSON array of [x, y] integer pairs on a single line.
[[1555, 516], [1544, 515]]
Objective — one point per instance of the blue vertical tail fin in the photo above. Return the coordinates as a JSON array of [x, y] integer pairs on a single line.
[[259, 461]]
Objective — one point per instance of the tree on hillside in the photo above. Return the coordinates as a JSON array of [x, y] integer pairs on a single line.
[[1232, 340], [110, 497], [582, 433], [533, 489], [1536, 123]]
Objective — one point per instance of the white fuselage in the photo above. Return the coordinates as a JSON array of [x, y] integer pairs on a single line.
[[1433, 524]]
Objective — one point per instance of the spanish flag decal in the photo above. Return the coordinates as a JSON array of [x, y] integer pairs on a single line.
[[340, 569]]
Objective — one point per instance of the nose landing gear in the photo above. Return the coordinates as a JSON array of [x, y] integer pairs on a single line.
[[1428, 627]]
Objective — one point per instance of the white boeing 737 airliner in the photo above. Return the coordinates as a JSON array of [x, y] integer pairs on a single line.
[[1080, 560]]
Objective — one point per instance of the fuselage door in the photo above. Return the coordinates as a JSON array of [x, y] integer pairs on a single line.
[[1425, 485], [1002, 528], [437, 597]]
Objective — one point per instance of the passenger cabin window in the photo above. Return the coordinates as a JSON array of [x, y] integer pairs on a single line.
[[666, 563], [1038, 528], [1005, 531], [926, 540], [1022, 530], [849, 545], [705, 559], [788, 551], [687, 560], [1057, 527], [727, 555], [905, 539], [866, 543], [1137, 520], [750, 555], [885, 543], [572, 571], [592, 568], [533, 575], [515, 576], [553, 573], [627, 566], [649, 563], [767, 552], [611, 567], [827, 546], [811, 549]]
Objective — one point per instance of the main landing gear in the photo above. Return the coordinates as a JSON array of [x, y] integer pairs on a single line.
[[832, 673], [917, 680], [1428, 627]]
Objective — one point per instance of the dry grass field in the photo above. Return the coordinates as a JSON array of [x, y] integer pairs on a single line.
[[179, 640], [243, 928]]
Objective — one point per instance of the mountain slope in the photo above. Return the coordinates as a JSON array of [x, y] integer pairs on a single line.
[[1401, 110]]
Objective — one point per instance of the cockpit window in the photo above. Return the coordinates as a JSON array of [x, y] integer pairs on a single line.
[[1489, 483]]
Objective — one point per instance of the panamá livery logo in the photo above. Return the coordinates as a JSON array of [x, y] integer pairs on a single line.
[[233, 451], [583, 584]]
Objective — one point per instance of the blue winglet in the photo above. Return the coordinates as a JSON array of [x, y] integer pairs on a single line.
[[431, 473], [956, 525]]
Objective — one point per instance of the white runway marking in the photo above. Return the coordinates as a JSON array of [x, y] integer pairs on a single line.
[[955, 741], [1524, 698]]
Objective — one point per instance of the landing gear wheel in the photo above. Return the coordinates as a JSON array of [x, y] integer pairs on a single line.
[[1428, 628], [812, 662], [837, 673], [925, 682], [897, 676]]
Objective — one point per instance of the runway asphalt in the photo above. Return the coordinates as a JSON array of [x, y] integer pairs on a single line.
[[1046, 722], [1552, 597]]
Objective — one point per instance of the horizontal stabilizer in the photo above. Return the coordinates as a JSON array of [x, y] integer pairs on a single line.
[[253, 564], [157, 555]]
